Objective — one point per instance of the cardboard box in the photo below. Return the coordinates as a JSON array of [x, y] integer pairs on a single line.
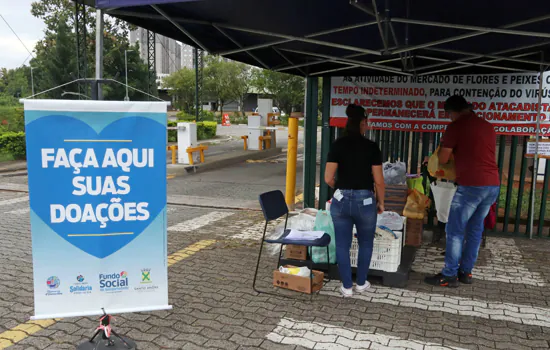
[[415, 229], [296, 252], [298, 283]]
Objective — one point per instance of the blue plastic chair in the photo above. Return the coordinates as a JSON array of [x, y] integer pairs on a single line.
[[274, 207]]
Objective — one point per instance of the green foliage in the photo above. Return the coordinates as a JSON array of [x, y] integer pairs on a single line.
[[181, 85], [13, 143], [226, 81], [55, 62], [287, 90], [12, 119], [205, 116], [205, 130]]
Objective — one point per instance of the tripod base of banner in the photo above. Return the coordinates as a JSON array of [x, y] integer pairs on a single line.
[[101, 344]]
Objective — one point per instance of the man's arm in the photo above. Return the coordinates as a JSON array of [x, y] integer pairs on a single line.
[[444, 155]]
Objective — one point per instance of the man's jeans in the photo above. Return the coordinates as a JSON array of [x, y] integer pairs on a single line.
[[357, 207], [469, 208]]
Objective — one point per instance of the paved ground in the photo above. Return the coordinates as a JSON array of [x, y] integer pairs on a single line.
[[212, 255]]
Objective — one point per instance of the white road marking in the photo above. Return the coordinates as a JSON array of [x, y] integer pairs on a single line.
[[198, 222], [504, 265], [314, 335], [14, 200], [492, 310]]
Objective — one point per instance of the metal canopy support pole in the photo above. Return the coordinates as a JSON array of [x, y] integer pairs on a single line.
[[98, 55], [468, 35], [81, 47], [196, 61], [536, 157], [485, 62], [178, 26], [240, 46], [483, 30], [151, 61], [310, 136], [324, 193], [346, 60]]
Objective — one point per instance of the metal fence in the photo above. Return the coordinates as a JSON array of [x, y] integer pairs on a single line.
[[514, 205]]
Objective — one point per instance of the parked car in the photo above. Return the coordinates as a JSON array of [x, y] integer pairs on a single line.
[[274, 109]]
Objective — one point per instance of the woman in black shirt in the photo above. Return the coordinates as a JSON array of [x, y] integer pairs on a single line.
[[354, 170]]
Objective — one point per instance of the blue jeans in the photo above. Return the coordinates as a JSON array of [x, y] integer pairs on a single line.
[[358, 207], [465, 227]]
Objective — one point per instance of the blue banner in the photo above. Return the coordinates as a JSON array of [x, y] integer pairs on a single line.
[[97, 188], [127, 3]]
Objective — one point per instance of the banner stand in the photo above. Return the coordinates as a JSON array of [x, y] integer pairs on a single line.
[[107, 342]]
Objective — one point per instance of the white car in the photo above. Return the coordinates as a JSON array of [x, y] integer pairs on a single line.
[[274, 109]]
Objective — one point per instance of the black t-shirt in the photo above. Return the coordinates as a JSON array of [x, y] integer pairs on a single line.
[[355, 156]]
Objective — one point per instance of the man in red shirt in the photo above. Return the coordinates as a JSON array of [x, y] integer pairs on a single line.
[[472, 142]]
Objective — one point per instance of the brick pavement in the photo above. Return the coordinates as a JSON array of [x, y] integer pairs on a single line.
[[215, 307]]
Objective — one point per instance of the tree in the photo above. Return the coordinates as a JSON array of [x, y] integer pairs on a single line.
[[287, 90], [243, 83], [221, 80], [56, 53], [181, 85]]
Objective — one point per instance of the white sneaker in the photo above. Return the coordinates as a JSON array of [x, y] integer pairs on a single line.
[[360, 289], [346, 292]]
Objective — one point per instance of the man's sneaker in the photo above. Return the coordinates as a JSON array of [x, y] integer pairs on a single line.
[[442, 281], [360, 289], [464, 277], [346, 292]]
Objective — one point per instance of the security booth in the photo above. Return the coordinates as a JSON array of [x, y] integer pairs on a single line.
[[400, 61]]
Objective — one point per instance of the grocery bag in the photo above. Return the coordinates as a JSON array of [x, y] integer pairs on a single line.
[[443, 193], [416, 205], [416, 183], [441, 171], [323, 222], [394, 173]]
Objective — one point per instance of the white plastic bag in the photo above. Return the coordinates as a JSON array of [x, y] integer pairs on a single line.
[[302, 222], [391, 220], [443, 193], [395, 173], [297, 271]]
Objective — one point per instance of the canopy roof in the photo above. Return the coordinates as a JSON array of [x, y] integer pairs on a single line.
[[357, 37]]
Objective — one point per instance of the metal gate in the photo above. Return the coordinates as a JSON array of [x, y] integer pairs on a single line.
[[514, 205]]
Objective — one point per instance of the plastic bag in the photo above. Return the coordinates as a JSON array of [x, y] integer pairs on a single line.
[[323, 222], [416, 205], [391, 220], [443, 193], [416, 183], [297, 271], [395, 173], [441, 171], [302, 222]]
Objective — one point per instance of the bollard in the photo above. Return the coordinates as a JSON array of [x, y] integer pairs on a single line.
[[245, 139], [292, 154], [174, 153]]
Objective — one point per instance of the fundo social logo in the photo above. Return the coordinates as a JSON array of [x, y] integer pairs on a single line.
[[113, 282], [53, 284], [81, 286]]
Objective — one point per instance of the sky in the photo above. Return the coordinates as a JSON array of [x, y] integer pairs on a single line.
[[29, 29]]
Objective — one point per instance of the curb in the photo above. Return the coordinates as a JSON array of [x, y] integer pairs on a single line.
[[181, 169]]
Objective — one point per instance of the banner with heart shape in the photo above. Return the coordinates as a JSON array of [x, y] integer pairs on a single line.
[[98, 180]]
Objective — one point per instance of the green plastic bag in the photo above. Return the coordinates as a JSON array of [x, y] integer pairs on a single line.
[[323, 222], [416, 183]]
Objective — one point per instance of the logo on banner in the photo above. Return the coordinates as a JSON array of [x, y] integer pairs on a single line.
[[53, 284], [146, 276], [147, 282], [80, 287], [101, 188], [113, 282]]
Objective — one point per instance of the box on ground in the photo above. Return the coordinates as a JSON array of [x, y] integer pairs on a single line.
[[296, 252], [415, 228], [298, 283]]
